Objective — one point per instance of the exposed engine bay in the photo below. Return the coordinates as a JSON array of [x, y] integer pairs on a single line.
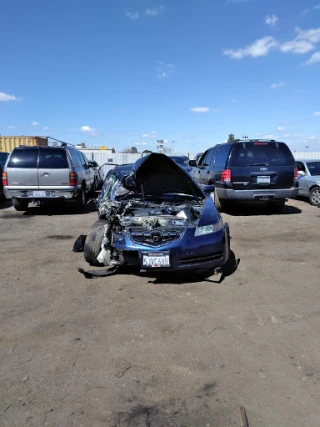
[[147, 224]]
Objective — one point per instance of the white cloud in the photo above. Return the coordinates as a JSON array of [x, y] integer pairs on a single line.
[[271, 20], [88, 130], [35, 124], [11, 127], [131, 15], [154, 11], [316, 114], [280, 128], [260, 47], [233, 101], [149, 134], [45, 128], [286, 135], [4, 97], [297, 46], [277, 85], [314, 58], [312, 35], [305, 11], [304, 41], [200, 109], [164, 70]]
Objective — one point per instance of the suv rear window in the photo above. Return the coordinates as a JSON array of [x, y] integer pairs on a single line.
[[55, 158], [24, 158], [261, 154]]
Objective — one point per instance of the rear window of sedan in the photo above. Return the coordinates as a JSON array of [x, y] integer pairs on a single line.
[[261, 153]]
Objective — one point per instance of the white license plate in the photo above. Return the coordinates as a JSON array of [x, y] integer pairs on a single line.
[[263, 179], [39, 194], [156, 260]]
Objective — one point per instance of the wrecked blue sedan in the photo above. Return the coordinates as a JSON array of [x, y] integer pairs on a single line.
[[153, 215]]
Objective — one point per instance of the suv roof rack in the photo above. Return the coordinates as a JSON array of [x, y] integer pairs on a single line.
[[63, 143], [254, 139]]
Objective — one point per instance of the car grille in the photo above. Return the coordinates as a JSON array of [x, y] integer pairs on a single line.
[[156, 237], [201, 258]]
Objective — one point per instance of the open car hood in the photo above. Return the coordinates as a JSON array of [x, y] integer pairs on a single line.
[[158, 174]]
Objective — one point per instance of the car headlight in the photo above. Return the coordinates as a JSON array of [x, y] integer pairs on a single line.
[[207, 229]]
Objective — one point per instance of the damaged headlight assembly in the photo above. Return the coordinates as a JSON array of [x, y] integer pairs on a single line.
[[208, 229]]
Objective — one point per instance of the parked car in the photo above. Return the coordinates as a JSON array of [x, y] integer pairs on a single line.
[[47, 174], [182, 161], [197, 158], [98, 175], [154, 215], [3, 159], [249, 171], [309, 180]]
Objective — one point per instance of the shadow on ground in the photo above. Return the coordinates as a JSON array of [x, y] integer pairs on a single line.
[[63, 209], [260, 210], [5, 204]]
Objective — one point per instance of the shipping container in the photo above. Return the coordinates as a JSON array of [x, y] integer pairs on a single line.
[[8, 143]]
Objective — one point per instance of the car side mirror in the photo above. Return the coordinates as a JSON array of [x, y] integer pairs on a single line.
[[301, 173], [208, 189], [193, 163]]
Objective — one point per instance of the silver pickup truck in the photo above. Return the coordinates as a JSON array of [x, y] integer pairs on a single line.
[[47, 175]]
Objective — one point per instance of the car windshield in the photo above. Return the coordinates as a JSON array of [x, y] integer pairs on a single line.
[[261, 154], [314, 168], [180, 160]]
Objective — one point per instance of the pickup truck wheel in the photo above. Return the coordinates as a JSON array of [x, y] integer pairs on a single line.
[[92, 246], [20, 205], [314, 196]]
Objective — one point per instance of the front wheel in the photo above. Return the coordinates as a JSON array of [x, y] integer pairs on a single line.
[[20, 205], [314, 196], [92, 246]]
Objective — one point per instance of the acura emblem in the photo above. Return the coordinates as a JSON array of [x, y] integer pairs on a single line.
[[156, 236]]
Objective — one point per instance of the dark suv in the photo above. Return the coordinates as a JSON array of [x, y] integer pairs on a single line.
[[251, 170], [47, 174]]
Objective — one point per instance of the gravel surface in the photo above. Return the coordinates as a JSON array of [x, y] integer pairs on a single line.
[[131, 350]]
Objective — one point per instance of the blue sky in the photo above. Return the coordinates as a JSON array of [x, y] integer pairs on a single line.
[[128, 72]]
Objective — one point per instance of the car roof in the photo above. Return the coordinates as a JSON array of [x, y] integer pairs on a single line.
[[307, 160]]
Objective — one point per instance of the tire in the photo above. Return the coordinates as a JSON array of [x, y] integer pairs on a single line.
[[81, 200], [314, 196], [92, 246], [20, 205], [217, 201]]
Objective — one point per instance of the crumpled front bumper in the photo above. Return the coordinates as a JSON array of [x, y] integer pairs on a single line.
[[189, 253]]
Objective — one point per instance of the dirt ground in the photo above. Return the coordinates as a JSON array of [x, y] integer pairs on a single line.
[[136, 351]]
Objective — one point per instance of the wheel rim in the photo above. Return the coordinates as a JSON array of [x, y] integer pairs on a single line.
[[315, 196]]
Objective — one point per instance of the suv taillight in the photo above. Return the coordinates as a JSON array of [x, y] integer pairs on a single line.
[[73, 179], [226, 175], [296, 174], [4, 179]]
